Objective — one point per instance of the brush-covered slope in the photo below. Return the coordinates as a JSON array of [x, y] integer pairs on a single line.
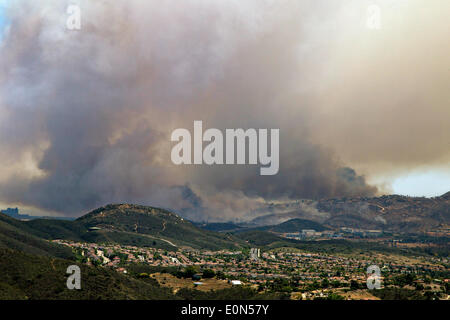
[[392, 213], [134, 225], [16, 235], [218, 226], [296, 225], [24, 276]]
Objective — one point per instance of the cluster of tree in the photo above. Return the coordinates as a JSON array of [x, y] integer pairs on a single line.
[[194, 273], [404, 280], [397, 294]]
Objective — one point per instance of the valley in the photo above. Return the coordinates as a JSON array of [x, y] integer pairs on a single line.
[[302, 257]]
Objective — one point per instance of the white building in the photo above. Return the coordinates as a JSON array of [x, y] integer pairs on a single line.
[[255, 253]]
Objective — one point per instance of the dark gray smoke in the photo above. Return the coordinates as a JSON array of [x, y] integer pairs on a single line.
[[86, 116]]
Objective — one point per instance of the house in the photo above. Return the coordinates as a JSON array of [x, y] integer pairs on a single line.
[[122, 270], [236, 282]]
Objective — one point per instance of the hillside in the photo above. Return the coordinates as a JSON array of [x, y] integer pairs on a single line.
[[292, 225], [296, 225], [268, 240], [390, 213], [16, 235], [262, 238], [24, 276], [134, 225], [218, 226], [393, 212]]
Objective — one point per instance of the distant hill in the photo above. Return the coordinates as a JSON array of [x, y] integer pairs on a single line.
[[218, 226], [390, 213], [16, 235], [295, 225], [268, 240], [14, 213], [292, 225], [445, 196], [134, 225], [262, 238]]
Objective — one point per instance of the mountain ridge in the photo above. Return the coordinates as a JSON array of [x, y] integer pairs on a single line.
[[389, 212], [131, 224]]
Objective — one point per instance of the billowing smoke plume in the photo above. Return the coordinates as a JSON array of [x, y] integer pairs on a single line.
[[86, 116]]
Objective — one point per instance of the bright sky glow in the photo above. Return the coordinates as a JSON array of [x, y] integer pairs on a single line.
[[1, 14], [2, 17], [423, 183]]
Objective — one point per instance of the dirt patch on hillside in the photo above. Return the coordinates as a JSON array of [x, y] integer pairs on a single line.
[[168, 280]]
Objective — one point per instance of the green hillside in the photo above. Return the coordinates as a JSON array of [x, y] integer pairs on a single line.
[[134, 225], [292, 225], [24, 276], [268, 240], [16, 235], [262, 238], [295, 225], [219, 226]]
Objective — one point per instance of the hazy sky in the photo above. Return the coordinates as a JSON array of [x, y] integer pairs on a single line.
[[427, 183], [86, 116], [2, 15]]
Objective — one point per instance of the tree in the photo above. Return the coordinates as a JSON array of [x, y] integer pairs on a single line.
[[208, 273], [335, 296], [335, 283], [190, 271], [354, 285], [325, 283], [419, 287]]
